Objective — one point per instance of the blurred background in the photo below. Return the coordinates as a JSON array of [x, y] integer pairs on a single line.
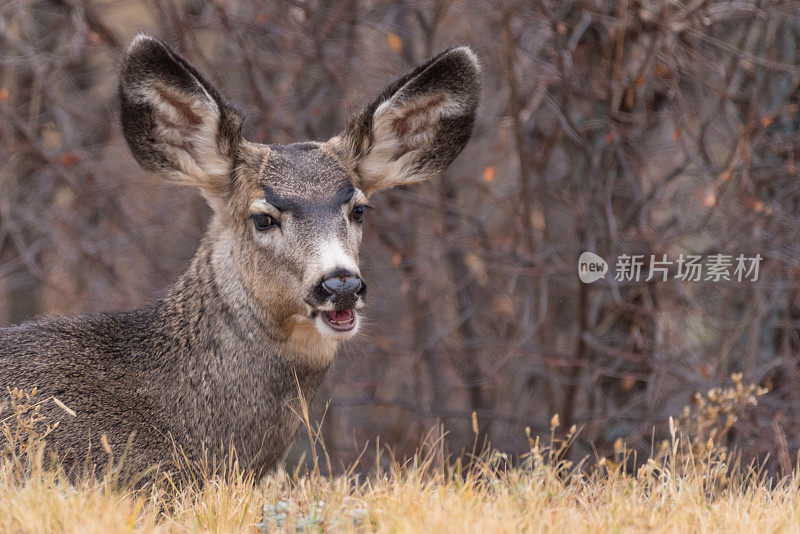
[[635, 126]]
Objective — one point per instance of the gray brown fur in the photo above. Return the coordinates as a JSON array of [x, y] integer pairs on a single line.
[[216, 362]]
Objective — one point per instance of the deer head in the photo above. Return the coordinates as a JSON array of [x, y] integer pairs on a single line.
[[288, 218]]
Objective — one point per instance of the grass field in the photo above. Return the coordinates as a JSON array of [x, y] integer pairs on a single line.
[[689, 483]]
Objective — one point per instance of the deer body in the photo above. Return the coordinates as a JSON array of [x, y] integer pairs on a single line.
[[219, 363], [191, 370]]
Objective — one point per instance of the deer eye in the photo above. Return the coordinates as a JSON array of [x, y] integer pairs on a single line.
[[263, 222], [358, 213]]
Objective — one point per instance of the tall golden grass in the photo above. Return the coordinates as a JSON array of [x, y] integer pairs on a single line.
[[690, 482]]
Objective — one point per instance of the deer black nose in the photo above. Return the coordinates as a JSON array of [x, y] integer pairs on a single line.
[[342, 285], [342, 288]]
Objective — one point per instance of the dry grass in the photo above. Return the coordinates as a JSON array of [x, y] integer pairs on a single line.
[[690, 483]]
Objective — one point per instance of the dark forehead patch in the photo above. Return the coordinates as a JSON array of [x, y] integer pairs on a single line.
[[340, 196], [303, 178]]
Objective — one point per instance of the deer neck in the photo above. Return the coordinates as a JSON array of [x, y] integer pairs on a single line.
[[229, 367]]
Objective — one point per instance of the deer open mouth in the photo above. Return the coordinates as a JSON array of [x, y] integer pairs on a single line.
[[341, 320]]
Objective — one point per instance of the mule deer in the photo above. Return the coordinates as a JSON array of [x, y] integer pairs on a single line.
[[274, 287]]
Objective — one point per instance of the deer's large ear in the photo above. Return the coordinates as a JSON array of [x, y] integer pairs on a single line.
[[418, 124], [175, 122]]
